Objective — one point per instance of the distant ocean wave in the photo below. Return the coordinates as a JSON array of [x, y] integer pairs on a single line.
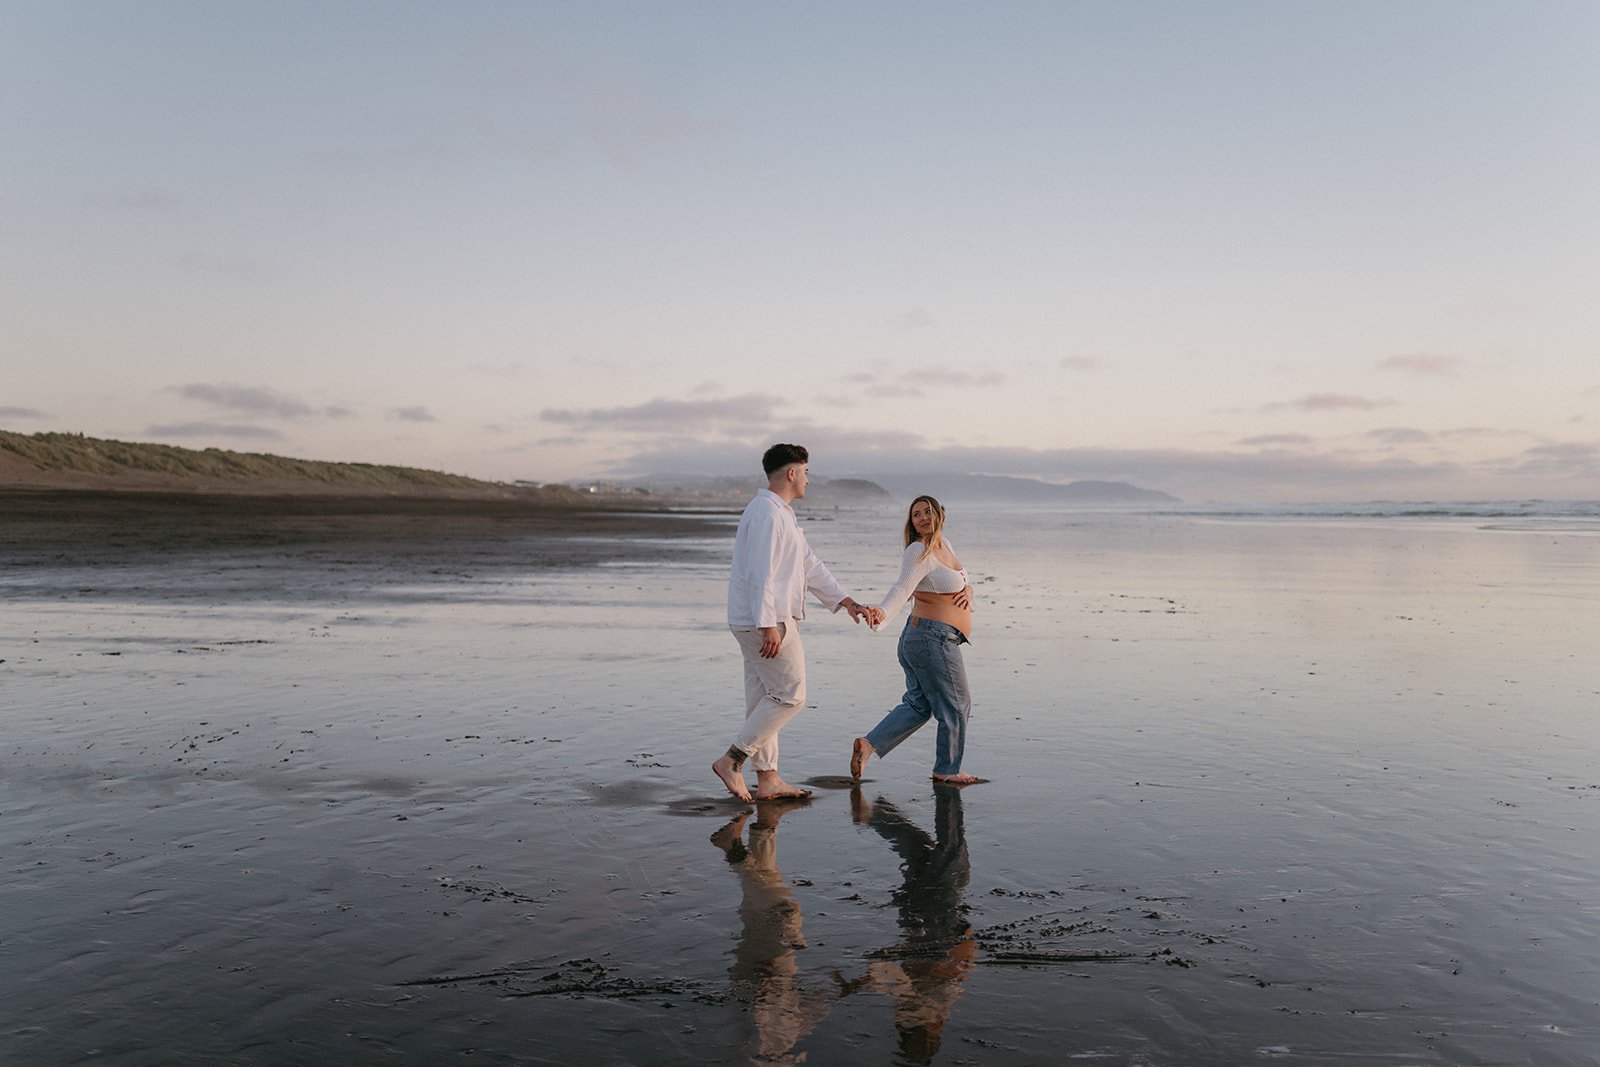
[[1496, 514]]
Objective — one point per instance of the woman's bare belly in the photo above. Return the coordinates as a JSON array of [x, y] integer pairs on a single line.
[[941, 607]]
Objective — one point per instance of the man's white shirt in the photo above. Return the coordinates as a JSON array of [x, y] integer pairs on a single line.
[[774, 567]]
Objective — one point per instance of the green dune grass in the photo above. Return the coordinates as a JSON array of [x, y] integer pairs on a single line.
[[74, 453]]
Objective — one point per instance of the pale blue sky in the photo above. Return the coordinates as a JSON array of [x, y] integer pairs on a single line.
[[1229, 250]]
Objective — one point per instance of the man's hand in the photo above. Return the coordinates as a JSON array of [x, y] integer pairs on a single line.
[[771, 641], [857, 611], [963, 599]]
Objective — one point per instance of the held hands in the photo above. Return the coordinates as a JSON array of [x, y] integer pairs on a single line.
[[874, 616]]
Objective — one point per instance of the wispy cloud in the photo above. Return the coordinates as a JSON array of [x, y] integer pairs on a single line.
[[1571, 459], [1400, 435], [673, 416], [1279, 440], [214, 429], [1329, 402], [913, 320], [558, 441], [918, 382], [1424, 364], [1481, 433], [21, 413], [255, 400], [416, 413]]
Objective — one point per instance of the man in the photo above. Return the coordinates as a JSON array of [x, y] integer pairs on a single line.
[[773, 569]]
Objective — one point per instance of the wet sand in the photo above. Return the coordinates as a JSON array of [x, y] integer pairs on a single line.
[[351, 794]]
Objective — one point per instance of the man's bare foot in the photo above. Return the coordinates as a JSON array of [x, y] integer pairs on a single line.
[[732, 777], [957, 779], [769, 786], [730, 838], [860, 752]]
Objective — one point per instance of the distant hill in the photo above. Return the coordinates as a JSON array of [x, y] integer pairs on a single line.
[[72, 461], [738, 488], [1003, 489], [859, 488], [884, 488]]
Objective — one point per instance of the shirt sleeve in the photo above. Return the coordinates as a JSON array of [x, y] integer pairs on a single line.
[[766, 593], [914, 566], [752, 600], [821, 582]]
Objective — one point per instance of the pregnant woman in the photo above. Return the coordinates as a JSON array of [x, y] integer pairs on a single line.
[[932, 578]]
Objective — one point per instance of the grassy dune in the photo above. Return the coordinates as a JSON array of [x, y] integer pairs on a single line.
[[72, 461]]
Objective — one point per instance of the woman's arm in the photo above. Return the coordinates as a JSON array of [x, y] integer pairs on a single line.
[[914, 566]]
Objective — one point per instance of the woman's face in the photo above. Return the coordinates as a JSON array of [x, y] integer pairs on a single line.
[[922, 518]]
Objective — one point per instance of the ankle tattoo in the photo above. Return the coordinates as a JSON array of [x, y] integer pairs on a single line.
[[738, 758]]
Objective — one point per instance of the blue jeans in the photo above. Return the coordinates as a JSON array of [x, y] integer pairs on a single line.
[[936, 688]]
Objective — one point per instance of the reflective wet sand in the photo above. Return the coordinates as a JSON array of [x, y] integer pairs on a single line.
[[1298, 791]]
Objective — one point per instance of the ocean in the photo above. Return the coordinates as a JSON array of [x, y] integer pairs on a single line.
[[1305, 785]]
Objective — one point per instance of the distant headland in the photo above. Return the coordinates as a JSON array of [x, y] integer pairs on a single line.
[[1006, 489], [73, 462]]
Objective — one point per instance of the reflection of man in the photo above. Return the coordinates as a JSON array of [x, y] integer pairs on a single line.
[[765, 973], [925, 970], [773, 569]]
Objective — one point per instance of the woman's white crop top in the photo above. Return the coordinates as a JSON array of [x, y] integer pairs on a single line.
[[921, 574]]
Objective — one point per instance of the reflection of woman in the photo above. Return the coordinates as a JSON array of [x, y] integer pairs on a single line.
[[930, 648], [937, 949]]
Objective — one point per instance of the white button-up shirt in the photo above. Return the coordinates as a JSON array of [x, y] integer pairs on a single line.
[[774, 567]]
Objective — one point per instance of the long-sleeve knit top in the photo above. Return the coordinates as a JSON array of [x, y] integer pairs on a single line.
[[921, 573]]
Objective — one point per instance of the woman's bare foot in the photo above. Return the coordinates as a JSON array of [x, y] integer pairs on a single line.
[[957, 779], [732, 776], [769, 786], [860, 810], [860, 752]]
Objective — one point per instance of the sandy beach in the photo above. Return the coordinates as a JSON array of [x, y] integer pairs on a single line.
[[297, 784]]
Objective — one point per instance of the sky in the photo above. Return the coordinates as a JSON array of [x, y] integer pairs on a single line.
[[1313, 251]]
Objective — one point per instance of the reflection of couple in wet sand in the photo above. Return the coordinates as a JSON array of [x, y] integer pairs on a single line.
[[923, 971], [773, 570]]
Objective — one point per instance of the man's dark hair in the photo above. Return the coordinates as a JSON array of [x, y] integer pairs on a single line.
[[780, 456]]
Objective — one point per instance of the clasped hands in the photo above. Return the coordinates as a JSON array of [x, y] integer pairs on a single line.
[[873, 615]]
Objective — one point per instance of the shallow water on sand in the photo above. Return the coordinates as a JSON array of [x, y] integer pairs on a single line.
[[1297, 790]]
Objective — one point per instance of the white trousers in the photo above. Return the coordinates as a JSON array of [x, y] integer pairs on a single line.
[[774, 693]]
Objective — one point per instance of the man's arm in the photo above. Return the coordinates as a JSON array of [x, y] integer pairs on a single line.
[[821, 583]]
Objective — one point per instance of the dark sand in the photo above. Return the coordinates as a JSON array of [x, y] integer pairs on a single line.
[[410, 782], [288, 545], [97, 528]]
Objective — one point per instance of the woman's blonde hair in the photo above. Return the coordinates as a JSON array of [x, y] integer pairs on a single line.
[[938, 524]]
